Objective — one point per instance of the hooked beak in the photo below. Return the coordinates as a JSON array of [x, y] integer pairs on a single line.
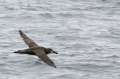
[[55, 52]]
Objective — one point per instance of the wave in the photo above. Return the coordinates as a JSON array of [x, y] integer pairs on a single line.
[[113, 56], [88, 67]]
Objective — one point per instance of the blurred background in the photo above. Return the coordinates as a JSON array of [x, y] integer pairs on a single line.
[[86, 34]]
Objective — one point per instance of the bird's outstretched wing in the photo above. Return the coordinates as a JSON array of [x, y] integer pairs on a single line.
[[27, 40], [39, 51], [25, 51], [41, 54]]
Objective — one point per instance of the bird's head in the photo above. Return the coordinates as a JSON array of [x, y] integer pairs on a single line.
[[49, 50]]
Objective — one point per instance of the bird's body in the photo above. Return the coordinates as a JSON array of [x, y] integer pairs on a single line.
[[30, 52], [34, 49]]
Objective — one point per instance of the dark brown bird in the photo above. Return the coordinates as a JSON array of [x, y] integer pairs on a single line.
[[34, 49], [30, 52]]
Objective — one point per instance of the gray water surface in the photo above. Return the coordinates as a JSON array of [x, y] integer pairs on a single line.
[[86, 34]]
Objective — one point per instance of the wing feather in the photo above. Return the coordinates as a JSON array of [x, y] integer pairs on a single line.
[[41, 54], [27, 40]]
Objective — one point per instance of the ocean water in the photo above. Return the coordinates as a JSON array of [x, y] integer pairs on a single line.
[[85, 33]]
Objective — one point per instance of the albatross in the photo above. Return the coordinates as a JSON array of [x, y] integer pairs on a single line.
[[35, 49]]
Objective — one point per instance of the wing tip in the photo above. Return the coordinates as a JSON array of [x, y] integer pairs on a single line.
[[20, 31], [54, 66]]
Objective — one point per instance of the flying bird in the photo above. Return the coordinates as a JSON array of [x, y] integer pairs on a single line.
[[30, 52], [37, 50]]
